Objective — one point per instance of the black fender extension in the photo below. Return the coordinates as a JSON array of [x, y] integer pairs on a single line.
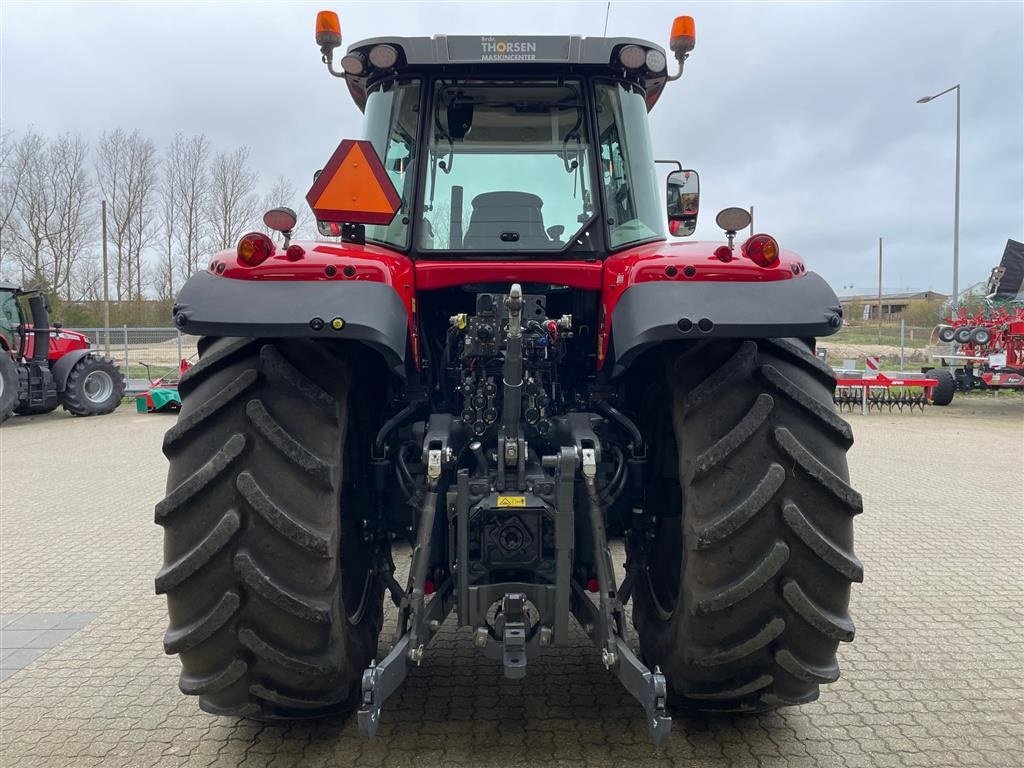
[[658, 312], [371, 313]]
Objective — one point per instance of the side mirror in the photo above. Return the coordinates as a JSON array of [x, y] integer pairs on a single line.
[[682, 196]]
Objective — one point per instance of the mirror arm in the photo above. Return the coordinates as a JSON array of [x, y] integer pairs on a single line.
[[682, 60], [676, 163], [328, 59]]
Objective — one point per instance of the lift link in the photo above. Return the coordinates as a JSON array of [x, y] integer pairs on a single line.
[[647, 687], [418, 620]]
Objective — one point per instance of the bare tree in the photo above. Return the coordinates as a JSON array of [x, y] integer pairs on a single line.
[[169, 206], [186, 165], [71, 190], [14, 163], [232, 203], [127, 171], [33, 210]]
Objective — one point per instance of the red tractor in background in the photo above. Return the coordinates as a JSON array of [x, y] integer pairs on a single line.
[[42, 367], [989, 340], [503, 361]]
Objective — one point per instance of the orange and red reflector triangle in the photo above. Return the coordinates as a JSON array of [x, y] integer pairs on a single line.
[[354, 188]]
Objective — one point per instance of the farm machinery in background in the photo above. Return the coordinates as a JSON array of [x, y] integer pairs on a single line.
[[43, 366], [874, 389], [162, 395], [988, 340]]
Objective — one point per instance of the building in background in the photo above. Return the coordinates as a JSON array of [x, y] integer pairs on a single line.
[[895, 306]]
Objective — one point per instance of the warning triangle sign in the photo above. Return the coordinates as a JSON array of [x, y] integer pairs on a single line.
[[354, 188]]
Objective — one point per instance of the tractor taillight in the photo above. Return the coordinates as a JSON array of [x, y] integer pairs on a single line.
[[255, 248], [763, 250], [723, 253]]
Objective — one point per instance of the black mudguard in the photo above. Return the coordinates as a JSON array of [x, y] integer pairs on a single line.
[[62, 368], [372, 313], [657, 312]]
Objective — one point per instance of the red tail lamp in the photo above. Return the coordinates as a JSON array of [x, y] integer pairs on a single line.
[[723, 253], [255, 248], [763, 250]]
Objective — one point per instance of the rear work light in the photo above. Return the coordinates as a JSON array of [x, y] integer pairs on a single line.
[[255, 248], [655, 60], [632, 56], [763, 250], [353, 63], [383, 56]]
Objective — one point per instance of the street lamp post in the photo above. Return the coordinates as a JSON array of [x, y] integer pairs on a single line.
[[956, 201]]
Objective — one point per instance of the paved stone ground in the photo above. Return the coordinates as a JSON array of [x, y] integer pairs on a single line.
[[934, 677]]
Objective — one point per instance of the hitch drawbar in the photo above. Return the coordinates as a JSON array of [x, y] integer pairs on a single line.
[[512, 637]]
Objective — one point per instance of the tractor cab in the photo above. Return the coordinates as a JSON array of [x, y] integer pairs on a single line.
[[533, 145]]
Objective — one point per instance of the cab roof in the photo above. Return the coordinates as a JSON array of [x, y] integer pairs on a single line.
[[495, 54]]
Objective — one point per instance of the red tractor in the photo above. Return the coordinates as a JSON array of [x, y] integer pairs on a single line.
[[503, 362], [42, 367]]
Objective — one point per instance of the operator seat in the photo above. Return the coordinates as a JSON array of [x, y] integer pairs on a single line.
[[508, 213]]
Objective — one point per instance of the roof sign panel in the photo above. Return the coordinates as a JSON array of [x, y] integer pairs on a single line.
[[500, 48]]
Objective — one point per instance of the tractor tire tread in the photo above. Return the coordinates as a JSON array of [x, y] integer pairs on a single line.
[[845, 563], [185, 566], [219, 680], [199, 480], [741, 512], [255, 546], [192, 420], [765, 557], [293, 450], [759, 575], [288, 526], [735, 437], [714, 657], [816, 470], [264, 585], [832, 626], [177, 640]]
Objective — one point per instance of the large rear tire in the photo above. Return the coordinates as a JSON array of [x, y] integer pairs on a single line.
[[749, 573], [94, 387], [274, 607], [8, 385]]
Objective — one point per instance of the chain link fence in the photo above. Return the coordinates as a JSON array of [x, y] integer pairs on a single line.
[[143, 354], [898, 345]]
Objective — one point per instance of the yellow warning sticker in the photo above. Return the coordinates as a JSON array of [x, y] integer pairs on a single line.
[[511, 501]]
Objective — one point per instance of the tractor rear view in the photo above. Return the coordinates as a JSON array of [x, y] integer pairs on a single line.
[[502, 361], [42, 367]]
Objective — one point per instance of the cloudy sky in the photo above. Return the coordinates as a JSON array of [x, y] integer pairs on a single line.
[[804, 110]]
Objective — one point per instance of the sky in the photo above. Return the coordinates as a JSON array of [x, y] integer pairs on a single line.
[[805, 111]]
